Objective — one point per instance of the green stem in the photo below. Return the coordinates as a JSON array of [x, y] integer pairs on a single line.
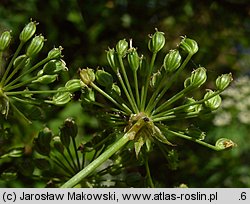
[[151, 183], [20, 113], [19, 66], [125, 90], [11, 63], [123, 106], [105, 155], [62, 166], [193, 139], [1, 64], [72, 158], [173, 99], [175, 116], [9, 87], [130, 94], [144, 90], [35, 92], [26, 100], [136, 89], [76, 153], [173, 110], [68, 162], [157, 96], [29, 70]]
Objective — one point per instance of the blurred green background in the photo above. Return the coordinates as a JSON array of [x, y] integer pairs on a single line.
[[86, 28]]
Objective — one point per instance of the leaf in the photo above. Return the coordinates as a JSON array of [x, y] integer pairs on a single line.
[[157, 134], [138, 145]]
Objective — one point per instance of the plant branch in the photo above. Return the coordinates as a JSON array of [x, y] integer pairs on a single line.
[[105, 155]]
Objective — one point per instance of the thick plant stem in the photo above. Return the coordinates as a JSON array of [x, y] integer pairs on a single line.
[[105, 155]]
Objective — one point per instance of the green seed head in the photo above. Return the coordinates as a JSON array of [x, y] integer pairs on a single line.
[[28, 31], [104, 78], [155, 79], [71, 127], [73, 85], [35, 46], [198, 77], [55, 53], [54, 66], [58, 144], [19, 59], [61, 98], [133, 59], [156, 42], [116, 89], [122, 47], [224, 143], [42, 142], [189, 46], [112, 59], [223, 81], [46, 79], [172, 61], [5, 39], [87, 76], [190, 108], [214, 102]]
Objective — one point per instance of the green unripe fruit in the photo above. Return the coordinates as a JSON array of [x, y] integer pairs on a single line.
[[190, 108], [42, 142], [5, 39], [73, 85], [28, 31], [133, 59], [70, 127], [58, 144], [112, 59], [172, 61], [155, 79], [35, 46], [214, 102], [55, 53], [198, 77], [61, 98], [157, 42], [46, 79], [121, 47], [87, 76], [104, 78], [19, 60], [54, 66], [189, 46], [224, 143], [116, 89], [223, 81]]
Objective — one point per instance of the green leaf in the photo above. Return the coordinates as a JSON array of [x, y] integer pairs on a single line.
[[157, 134], [138, 145]]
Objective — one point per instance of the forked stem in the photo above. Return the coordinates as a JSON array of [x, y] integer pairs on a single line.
[[105, 155]]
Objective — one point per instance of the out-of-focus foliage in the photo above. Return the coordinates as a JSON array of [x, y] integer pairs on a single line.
[[86, 28]]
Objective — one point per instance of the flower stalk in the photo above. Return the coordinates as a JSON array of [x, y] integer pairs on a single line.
[[129, 135]]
